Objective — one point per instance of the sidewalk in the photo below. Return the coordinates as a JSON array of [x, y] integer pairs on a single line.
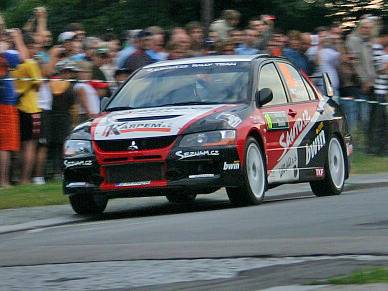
[[19, 219]]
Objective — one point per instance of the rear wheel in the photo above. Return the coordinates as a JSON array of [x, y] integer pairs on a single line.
[[254, 185], [334, 180], [88, 203], [181, 198]]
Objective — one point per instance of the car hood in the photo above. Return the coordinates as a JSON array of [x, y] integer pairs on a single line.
[[157, 121]]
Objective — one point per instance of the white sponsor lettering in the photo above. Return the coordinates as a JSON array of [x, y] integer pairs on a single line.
[[286, 140], [184, 155], [319, 172], [231, 119], [233, 166], [141, 183], [69, 164], [313, 149]]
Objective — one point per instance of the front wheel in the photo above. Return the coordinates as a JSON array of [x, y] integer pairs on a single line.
[[88, 203], [334, 180], [254, 184]]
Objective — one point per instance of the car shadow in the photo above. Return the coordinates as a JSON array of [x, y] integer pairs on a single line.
[[160, 206]]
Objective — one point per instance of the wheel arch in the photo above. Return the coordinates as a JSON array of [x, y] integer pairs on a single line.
[[258, 137]]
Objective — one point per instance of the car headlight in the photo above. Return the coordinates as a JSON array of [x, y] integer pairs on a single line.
[[209, 138], [74, 148]]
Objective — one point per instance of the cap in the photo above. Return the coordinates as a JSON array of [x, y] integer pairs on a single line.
[[66, 65], [143, 34], [65, 36]]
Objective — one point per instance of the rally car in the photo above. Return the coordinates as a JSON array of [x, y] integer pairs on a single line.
[[187, 127]]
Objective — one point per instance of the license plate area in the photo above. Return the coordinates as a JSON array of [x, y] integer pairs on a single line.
[[134, 172]]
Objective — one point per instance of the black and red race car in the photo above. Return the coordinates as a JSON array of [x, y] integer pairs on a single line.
[[191, 126]]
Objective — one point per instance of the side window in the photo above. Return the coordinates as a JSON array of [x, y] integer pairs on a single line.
[[294, 83], [269, 78]]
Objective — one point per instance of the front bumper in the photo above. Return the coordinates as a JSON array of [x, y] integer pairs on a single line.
[[151, 173]]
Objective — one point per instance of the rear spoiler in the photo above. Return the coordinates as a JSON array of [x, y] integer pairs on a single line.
[[327, 86]]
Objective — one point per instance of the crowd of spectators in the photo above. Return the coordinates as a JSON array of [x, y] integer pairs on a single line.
[[37, 114]]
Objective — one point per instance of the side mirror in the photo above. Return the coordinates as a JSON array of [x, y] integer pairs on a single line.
[[103, 103], [328, 88], [263, 96]]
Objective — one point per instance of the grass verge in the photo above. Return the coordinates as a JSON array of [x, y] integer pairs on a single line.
[[368, 164], [377, 275], [32, 195]]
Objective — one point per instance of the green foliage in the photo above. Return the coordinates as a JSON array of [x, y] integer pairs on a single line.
[[378, 275], [99, 16]]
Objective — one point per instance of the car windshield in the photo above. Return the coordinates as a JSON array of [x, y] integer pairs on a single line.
[[186, 84]]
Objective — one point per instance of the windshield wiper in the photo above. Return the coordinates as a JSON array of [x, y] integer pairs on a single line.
[[118, 108], [188, 103]]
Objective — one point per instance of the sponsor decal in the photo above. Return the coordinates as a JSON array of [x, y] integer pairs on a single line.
[[233, 166], [125, 127], [319, 128], [231, 119], [288, 138], [319, 172], [198, 65], [184, 155], [317, 144], [201, 176], [136, 123], [276, 120], [133, 146], [69, 164], [289, 167], [141, 183]]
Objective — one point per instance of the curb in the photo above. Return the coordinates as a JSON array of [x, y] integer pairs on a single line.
[[58, 221]]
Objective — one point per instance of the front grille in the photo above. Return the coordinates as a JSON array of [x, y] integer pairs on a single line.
[[135, 172], [148, 143]]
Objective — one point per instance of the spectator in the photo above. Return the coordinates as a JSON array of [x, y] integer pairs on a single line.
[[379, 123], [247, 48], [28, 107], [229, 20], [257, 25], [226, 47], [266, 35], [176, 51], [358, 43], [237, 37], [195, 31], [120, 76], [139, 58], [294, 52], [60, 121], [9, 117], [179, 35], [157, 52], [89, 101], [129, 48]]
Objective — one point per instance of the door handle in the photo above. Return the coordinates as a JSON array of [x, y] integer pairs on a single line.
[[292, 113]]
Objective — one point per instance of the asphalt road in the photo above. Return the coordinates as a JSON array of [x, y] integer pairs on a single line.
[[355, 222]]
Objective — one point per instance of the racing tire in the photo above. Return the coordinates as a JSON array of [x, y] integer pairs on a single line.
[[88, 203], [181, 198], [252, 191], [334, 180]]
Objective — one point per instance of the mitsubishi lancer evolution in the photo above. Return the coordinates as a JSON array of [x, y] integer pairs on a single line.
[[191, 126]]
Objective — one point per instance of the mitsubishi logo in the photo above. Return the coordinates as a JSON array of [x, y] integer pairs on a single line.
[[133, 146]]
